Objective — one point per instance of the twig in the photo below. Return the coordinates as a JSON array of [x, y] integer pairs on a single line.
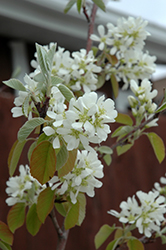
[[91, 27], [61, 232], [86, 14], [124, 139]]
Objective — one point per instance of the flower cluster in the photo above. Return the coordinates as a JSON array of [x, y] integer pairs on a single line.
[[126, 42], [142, 105], [147, 216], [82, 178], [84, 121], [161, 188], [23, 188], [77, 70]]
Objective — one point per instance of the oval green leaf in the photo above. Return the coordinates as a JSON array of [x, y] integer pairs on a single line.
[[104, 232], [100, 4], [16, 216], [123, 149], [15, 84], [69, 165], [62, 157], [45, 203], [43, 162], [72, 216], [5, 233], [14, 155], [82, 208], [135, 244], [66, 92], [115, 85], [28, 127], [4, 246], [158, 145], [33, 223], [124, 119]]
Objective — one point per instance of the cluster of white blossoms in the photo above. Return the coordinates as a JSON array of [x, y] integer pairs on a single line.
[[142, 104], [24, 102], [126, 42], [82, 178], [85, 121], [147, 215], [161, 188], [78, 70], [23, 188]]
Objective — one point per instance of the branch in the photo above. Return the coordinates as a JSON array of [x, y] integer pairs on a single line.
[[123, 140], [91, 27], [61, 232]]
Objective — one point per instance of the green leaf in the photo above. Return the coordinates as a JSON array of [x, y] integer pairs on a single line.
[[28, 127], [50, 56], [100, 4], [158, 145], [66, 92], [39, 77], [5, 234], [112, 59], [79, 5], [15, 84], [69, 5], [105, 150], [31, 148], [101, 80], [82, 208], [45, 203], [115, 85], [95, 50], [33, 223], [122, 131], [4, 246], [42, 137], [135, 244], [25, 106], [61, 209], [123, 149], [72, 216], [108, 159], [124, 119], [161, 108], [14, 155], [104, 232], [119, 233], [62, 157], [69, 165], [112, 245], [16, 216], [55, 80], [43, 162], [42, 60], [163, 239]]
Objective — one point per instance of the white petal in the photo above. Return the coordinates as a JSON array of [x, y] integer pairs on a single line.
[[48, 130]]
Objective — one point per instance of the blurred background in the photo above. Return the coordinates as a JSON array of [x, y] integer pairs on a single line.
[[22, 24]]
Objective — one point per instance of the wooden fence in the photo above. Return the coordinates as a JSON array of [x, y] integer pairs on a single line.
[[138, 169]]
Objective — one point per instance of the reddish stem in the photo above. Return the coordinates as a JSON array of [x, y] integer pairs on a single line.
[[91, 27]]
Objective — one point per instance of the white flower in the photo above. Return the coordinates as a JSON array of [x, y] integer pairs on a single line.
[[83, 177], [147, 215], [92, 114], [103, 39], [23, 188]]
